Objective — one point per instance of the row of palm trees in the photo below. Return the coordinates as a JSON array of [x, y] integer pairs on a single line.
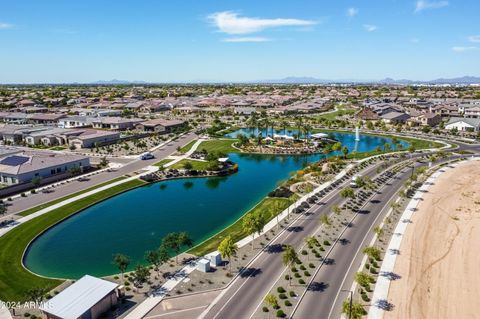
[[267, 124]]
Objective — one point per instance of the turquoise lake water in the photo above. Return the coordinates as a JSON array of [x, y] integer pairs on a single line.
[[137, 220]]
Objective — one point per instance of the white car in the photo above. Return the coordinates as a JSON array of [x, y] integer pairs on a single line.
[[146, 156]]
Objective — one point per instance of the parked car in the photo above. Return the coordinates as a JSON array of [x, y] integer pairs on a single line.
[[146, 156]]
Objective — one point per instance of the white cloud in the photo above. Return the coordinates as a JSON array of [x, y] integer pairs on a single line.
[[231, 23], [351, 12], [4, 26], [464, 49], [474, 38], [370, 27], [246, 39], [425, 4]]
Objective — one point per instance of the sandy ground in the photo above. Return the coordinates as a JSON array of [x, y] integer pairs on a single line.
[[439, 258]]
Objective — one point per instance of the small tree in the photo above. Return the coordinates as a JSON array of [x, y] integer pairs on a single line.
[[122, 262], [356, 311], [336, 209], [36, 294], [187, 166], [3, 209], [252, 223], [372, 252], [228, 249], [325, 220], [347, 192], [364, 280], [104, 162], [272, 301], [140, 275], [345, 151], [289, 256], [378, 231], [311, 241], [36, 181]]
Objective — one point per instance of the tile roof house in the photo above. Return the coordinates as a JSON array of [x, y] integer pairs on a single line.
[[116, 123], [159, 125]]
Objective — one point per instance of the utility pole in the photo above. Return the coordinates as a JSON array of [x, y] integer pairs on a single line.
[[351, 302]]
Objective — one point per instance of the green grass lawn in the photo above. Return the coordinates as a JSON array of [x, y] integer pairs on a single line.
[[268, 207], [187, 147], [340, 112], [15, 280], [223, 145], [42, 206], [163, 162], [197, 165]]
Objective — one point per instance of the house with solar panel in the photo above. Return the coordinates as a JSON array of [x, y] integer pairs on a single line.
[[25, 165]]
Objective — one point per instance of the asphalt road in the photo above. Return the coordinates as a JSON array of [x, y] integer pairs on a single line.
[[23, 203], [326, 299], [246, 293]]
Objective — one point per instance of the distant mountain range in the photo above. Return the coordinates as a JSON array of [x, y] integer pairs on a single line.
[[117, 82], [465, 80], [311, 80]]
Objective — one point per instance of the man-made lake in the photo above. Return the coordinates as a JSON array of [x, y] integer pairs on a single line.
[[136, 221]]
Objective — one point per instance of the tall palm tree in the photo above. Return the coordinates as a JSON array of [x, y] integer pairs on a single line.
[[288, 258]]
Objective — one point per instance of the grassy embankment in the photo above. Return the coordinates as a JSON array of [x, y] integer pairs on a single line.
[[15, 280], [269, 208], [56, 201]]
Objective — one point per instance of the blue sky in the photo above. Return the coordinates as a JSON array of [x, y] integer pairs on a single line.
[[227, 40]]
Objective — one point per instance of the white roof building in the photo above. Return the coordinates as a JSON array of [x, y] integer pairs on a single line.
[[89, 297]]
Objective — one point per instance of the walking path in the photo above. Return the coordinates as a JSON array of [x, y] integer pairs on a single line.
[[186, 155], [380, 303]]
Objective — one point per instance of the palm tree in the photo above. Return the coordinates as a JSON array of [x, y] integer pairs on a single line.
[[364, 279], [395, 206], [325, 220], [378, 231], [288, 258], [227, 249], [336, 210]]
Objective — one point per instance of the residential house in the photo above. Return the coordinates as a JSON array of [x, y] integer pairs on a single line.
[[116, 123], [463, 124], [160, 125]]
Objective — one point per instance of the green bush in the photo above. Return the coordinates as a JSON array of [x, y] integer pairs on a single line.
[[265, 309], [326, 243], [280, 290], [311, 265], [287, 277], [304, 252], [282, 296], [301, 282], [293, 269], [306, 273], [292, 294], [280, 314], [302, 267], [297, 275], [288, 303]]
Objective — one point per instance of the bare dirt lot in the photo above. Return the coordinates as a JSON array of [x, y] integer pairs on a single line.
[[439, 260]]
